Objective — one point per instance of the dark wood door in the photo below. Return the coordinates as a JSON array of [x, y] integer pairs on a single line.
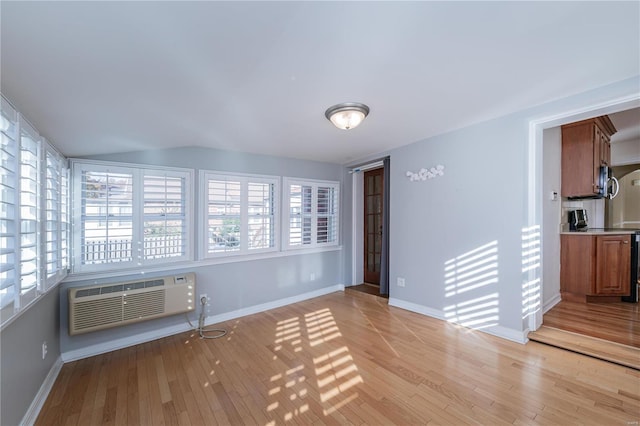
[[373, 190]]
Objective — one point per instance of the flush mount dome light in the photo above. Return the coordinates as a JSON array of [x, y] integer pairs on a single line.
[[347, 115]]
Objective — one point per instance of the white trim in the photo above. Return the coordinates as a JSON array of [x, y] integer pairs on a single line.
[[197, 263], [137, 339], [535, 167], [315, 184], [551, 303], [496, 330], [354, 231], [138, 174], [366, 167], [33, 411], [244, 179], [215, 319]]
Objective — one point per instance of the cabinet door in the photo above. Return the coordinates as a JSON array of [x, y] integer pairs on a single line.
[[580, 160], [597, 157], [613, 265], [577, 258]]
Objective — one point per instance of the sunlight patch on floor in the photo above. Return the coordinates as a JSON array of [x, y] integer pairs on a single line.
[[336, 373]]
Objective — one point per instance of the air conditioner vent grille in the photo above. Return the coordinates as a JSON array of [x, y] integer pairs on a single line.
[[143, 305], [113, 288], [85, 312]]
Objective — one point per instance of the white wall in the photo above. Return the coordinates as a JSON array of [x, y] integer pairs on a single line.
[[458, 240], [551, 216]]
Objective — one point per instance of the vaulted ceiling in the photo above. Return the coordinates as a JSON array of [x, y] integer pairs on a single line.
[[102, 77]]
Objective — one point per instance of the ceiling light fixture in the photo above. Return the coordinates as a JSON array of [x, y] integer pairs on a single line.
[[347, 115]]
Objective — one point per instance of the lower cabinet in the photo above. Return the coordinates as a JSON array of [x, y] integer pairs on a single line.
[[613, 265], [594, 266]]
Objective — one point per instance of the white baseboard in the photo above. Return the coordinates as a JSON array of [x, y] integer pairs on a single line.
[[551, 303], [496, 330], [33, 411], [125, 342], [215, 319]]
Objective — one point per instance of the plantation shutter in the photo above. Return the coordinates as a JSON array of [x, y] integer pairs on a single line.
[[313, 213], [327, 215], [29, 203], [261, 215], [8, 204], [300, 214], [55, 217]]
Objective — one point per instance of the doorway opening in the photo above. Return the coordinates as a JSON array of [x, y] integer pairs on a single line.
[[537, 197], [373, 192], [370, 218]]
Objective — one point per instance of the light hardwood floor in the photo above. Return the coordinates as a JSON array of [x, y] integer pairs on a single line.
[[344, 358], [617, 322]]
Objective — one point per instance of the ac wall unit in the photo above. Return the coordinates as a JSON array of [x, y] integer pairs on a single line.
[[111, 305]]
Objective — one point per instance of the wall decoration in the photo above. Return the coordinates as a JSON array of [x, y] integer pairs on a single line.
[[425, 174]]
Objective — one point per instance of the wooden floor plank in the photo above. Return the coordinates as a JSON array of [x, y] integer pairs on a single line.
[[616, 322], [611, 351], [343, 358]]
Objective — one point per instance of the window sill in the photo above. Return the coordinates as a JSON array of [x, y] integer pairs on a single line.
[[82, 276]]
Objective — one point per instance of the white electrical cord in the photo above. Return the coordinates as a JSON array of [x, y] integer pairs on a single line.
[[201, 329]]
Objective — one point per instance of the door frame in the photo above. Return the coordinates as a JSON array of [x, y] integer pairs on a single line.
[[379, 172], [535, 196], [357, 219]]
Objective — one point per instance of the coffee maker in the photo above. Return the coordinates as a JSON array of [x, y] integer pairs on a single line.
[[578, 220]]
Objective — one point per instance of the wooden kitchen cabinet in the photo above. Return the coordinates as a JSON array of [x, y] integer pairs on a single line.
[[613, 265], [577, 267], [585, 148], [593, 267]]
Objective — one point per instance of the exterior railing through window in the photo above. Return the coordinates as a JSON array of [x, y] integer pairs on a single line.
[[121, 250]]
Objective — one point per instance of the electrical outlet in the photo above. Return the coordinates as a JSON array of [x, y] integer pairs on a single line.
[[206, 299], [312, 277], [400, 282], [44, 349]]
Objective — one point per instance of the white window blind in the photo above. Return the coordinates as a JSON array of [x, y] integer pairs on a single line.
[[8, 201], [327, 215], [261, 215], [29, 204], [33, 213], [130, 216], [313, 210], [300, 214], [240, 213], [55, 216]]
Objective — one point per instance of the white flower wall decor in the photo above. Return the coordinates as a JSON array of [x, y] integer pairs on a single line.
[[425, 174]]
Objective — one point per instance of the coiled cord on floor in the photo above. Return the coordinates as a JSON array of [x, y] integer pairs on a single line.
[[201, 328]]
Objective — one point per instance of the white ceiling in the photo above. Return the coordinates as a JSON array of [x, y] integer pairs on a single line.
[[103, 77]]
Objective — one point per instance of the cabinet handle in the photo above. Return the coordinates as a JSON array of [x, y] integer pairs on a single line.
[[625, 242]]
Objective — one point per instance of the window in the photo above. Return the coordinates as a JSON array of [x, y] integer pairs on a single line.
[[8, 202], [313, 213], [165, 216], [130, 216], [29, 192], [55, 217], [240, 213], [33, 213]]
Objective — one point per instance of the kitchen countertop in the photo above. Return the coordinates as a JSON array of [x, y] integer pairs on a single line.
[[602, 231]]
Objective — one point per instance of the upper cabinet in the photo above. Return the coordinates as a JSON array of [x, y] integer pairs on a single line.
[[585, 148]]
